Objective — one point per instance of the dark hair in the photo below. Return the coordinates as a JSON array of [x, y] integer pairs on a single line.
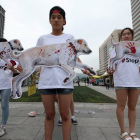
[[127, 28], [61, 11], [3, 39], [58, 8]]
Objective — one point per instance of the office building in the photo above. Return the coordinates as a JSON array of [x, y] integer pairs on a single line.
[[135, 10], [105, 49], [2, 21]]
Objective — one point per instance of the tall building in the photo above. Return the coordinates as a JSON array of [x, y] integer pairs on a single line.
[[105, 49], [2, 21], [135, 10]]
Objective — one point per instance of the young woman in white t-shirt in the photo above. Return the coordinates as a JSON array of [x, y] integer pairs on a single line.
[[127, 85], [6, 75], [51, 78]]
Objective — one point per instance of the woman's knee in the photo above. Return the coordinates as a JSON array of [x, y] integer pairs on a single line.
[[121, 107], [131, 107], [65, 116], [50, 115], [4, 106]]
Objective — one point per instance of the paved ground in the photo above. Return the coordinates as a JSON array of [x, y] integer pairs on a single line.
[[99, 126]]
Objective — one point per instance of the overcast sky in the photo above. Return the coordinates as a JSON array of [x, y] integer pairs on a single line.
[[92, 20]]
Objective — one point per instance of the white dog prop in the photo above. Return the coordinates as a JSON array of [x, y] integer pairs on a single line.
[[122, 48], [7, 50], [63, 55]]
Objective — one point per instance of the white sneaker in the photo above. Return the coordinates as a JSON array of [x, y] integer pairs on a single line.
[[2, 131]]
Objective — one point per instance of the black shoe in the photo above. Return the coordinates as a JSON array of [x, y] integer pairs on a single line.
[[59, 122], [74, 121]]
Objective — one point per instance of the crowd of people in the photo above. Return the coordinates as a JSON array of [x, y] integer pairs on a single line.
[[127, 85]]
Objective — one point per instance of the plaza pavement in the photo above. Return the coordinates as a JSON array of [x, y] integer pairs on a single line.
[[99, 126]]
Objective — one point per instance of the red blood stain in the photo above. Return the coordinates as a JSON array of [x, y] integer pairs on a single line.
[[131, 47], [3, 52], [13, 62], [123, 60], [5, 64], [57, 51], [133, 50]]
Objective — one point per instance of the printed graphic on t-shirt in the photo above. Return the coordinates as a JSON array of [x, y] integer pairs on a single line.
[[122, 48], [131, 46], [132, 60], [4, 67], [123, 60]]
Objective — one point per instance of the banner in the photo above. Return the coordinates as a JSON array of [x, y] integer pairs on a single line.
[[31, 90], [31, 85]]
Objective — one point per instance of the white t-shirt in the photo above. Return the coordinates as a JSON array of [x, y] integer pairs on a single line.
[[127, 72], [5, 76], [52, 77]]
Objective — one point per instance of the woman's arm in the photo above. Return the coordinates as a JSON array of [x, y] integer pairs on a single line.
[[111, 71], [19, 68], [84, 71]]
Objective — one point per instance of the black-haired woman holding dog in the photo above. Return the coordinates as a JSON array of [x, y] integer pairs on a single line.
[[6, 74], [50, 81], [127, 85]]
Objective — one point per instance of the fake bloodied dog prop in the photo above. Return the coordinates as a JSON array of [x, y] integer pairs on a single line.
[[64, 55], [122, 48]]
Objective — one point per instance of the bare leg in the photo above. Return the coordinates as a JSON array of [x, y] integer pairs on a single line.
[[48, 102], [121, 102], [133, 96], [64, 106], [56, 98], [72, 107]]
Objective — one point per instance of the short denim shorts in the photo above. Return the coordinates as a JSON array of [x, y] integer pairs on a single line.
[[55, 91], [137, 88]]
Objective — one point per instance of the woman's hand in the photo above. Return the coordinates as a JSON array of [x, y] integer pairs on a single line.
[[87, 72], [11, 67], [110, 71], [19, 68], [15, 70], [38, 73]]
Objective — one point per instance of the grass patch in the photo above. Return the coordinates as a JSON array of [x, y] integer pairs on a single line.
[[81, 94], [25, 98], [86, 94]]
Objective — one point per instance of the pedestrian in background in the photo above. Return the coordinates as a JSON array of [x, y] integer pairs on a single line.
[[87, 81], [107, 82], [78, 81], [93, 82]]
